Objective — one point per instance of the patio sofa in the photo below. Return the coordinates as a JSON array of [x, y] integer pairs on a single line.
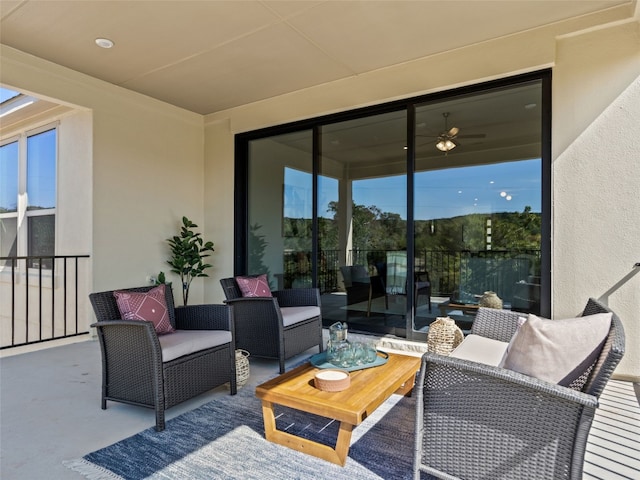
[[477, 417]]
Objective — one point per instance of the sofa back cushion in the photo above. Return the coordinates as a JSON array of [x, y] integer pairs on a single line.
[[558, 351]]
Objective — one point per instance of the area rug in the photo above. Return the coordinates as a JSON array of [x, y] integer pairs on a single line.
[[224, 439]]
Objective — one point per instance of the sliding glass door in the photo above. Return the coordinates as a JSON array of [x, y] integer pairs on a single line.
[[408, 211], [279, 221], [362, 213], [478, 202]]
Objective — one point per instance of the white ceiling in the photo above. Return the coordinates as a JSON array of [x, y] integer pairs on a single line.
[[208, 56]]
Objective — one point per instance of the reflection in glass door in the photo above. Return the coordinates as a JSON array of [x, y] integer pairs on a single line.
[[280, 198], [362, 213], [478, 202], [416, 211]]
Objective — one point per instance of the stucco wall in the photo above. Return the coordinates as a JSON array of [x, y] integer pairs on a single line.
[[219, 201], [595, 75], [144, 171], [596, 174]]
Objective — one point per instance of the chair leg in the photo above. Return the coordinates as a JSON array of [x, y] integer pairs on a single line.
[[159, 419], [233, 384], [320, 341]]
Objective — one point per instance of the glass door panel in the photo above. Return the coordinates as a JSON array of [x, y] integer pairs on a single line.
[[478, 202], [362, 212], [475, 208], [280, 199]]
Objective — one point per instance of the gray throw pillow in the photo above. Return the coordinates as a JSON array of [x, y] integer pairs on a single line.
[[557, 351]]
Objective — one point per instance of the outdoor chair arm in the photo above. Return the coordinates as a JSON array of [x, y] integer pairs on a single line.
[[117, 337], [298, 297], [122, 328], [259, 314], [204, 317]]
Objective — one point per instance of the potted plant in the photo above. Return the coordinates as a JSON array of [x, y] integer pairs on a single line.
[[188, 251], [160, 279]]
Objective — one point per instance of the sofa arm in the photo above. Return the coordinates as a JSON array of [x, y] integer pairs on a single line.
[[496, 324], [480, 421], [467, 370], [204, 317]]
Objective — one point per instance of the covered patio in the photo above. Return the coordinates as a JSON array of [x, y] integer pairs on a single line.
[[50, 410], [147, 134]]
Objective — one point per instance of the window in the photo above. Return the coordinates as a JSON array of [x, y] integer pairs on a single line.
[[28, 197], [8, 199]]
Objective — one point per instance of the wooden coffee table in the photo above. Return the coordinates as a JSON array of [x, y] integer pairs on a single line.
[[368, 390]]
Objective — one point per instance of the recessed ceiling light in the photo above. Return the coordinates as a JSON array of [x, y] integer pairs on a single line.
[[529, 106], [104, 43]]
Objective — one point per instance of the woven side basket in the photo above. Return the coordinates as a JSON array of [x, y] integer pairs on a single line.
[[242, 367], [444, 335]]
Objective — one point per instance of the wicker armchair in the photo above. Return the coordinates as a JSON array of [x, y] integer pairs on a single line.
[[133, 370], [476, 421], [261, 329]]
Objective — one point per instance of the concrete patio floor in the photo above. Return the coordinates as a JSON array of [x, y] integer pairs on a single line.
[[50, 412]]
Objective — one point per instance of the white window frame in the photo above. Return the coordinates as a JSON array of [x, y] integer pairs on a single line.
[[22, 215]]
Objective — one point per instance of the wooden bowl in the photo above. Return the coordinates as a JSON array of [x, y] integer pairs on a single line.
[[330, 380]]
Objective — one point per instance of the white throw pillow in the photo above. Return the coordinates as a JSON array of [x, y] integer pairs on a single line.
[[557, 351]]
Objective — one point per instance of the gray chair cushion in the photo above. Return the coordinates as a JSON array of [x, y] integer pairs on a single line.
[[185, 342], [291, 315]]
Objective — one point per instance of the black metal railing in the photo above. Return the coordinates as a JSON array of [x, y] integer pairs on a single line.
[[43, 298], [451, 272]]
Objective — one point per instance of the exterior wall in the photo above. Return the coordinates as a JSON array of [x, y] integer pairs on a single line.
[[152, 163], [596, 147], [595, 99], [219, 201], [143, 173]]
